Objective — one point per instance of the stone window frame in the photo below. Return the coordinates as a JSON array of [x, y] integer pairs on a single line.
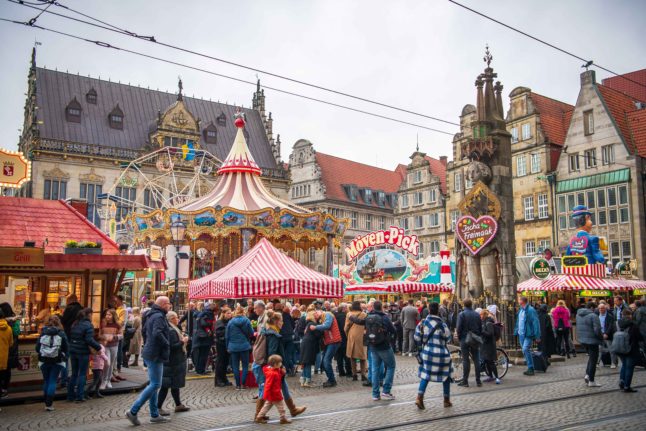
[[418, 198], [526, 131], [576, 166], [354, 219], [590, 158], [418, 222], [535, 163], [434, 220], [457, 181], [519, 172], [368, 222], [530, 247], [543, 207], [433, 195], [543, 244], [588, 122], [514, 134], [608, 154], [528, 210]]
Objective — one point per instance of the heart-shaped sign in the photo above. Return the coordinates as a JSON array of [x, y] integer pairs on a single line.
[[476, 234]]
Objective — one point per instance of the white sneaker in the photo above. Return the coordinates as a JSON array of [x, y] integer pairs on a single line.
[[587, 379], [613, 366], [102, 386], [386, 396], [410, 355], [593, 385], [108, 385], [50, 408]]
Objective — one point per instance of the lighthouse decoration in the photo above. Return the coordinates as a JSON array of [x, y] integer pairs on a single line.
[[445, 267]]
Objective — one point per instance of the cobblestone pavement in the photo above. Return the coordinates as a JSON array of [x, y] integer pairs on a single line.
[[552, 401]]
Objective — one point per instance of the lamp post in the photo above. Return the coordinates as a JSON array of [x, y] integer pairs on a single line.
[[177, 231]]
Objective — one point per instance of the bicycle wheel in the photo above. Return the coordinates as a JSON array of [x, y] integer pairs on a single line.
[[502, 362]]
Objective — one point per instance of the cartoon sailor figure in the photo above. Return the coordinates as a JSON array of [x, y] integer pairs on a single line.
[[584, 244]]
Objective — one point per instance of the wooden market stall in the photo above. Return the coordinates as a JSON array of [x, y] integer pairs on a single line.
[[390, 291], [38, 272]]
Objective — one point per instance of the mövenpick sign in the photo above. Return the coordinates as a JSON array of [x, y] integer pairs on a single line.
[[393, 236]]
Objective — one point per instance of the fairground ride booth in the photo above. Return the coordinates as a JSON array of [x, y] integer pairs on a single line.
[[48, 251], [219, 227]]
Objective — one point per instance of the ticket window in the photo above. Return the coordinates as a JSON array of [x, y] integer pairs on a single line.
[[96, 300]]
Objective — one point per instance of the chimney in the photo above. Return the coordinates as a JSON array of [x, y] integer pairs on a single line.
[[79, 205], [588, 77], [444, 160]]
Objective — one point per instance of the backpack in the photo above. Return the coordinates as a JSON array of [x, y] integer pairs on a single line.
[[375, 330], [50, 346], [621, 343], [260, 350], [497, 331]]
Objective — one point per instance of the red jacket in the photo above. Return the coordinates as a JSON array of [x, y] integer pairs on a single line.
[[273, 383]]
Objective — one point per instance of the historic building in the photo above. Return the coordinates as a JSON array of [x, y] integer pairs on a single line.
[[364, 194], [81, 132], [537, 125], [602, 165], [421, 208]]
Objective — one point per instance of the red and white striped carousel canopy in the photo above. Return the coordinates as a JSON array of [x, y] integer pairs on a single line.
[[397, 287], [579, 282], [265, 272]]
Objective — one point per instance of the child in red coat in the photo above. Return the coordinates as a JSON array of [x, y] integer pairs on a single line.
[[273, 395]]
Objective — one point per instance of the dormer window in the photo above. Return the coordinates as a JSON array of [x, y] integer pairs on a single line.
[[115, 118], [73, 111], [90, 97], [367, 196], [210, 134], [351, 192], [221, 120], [381, 199]]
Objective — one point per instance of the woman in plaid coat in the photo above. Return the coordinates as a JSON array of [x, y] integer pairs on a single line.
[[432, 336]]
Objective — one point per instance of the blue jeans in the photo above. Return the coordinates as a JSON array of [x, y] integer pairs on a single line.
[[384, 358], [65, 373], [76, 384], [260, 379], [307, 372], [317, 363], [382, 369], [50, 374], [526, 345], [626, 372], [328, 355], [155, 373], [446, 387], [236, 359]]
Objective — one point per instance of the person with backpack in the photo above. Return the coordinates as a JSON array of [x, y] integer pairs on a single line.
[[469, 330], [332, 341], [52, 349], [562, 327], [80, 342], [203, 339], [432, 336], [588, 332], [379, 330], [488, 349], [628, 337]]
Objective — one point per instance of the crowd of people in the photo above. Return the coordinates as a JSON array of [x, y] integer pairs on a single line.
[[263, 343]]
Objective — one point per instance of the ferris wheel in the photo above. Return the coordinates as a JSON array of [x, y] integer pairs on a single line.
[[162, 179]]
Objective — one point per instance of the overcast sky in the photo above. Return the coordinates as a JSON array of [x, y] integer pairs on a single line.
[[419, 55]]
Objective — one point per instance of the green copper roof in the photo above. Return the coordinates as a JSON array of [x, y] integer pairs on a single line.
[[597, 180]]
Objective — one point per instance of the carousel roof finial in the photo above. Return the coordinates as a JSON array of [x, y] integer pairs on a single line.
[[240, 158]]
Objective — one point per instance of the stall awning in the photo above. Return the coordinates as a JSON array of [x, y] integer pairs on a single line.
[[79, 262], [569, 282], [397, 287], [265, 272]]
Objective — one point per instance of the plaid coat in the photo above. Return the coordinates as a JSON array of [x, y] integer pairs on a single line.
[[436, 359]]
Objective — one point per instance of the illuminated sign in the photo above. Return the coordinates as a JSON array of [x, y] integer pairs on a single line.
[[22, 257], [594, 293], [15, 169], [393, 236], [540, 268], [574, 261]]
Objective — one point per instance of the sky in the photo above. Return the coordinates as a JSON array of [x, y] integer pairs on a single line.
[[422, 56]]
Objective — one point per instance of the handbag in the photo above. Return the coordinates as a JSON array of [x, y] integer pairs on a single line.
[[473, 340]]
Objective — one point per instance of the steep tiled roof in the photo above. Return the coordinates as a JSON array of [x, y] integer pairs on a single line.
[[555, 117], [54, 90], [24, 219], [627, 86], [621, 106], [335, 172], [637, 124], [438, 168]]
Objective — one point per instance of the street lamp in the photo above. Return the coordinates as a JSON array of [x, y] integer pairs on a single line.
[[177, 231]]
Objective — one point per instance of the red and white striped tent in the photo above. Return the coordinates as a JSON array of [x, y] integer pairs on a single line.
[[397, 287], [579, 282], [265, 272]]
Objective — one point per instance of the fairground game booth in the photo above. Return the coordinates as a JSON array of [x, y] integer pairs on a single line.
[[48, 251]]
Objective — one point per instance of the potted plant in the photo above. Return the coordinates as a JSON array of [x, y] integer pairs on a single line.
[[83, 247]]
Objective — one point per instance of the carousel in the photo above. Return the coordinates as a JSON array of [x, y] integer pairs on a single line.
[[222, 225]]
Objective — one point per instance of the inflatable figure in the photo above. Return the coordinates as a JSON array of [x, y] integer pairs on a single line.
[[584, 244]]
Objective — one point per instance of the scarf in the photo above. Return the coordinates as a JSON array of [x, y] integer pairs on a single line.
[[179, 334]]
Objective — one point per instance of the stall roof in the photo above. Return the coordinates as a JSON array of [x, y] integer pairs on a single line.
[[49, 223], [560, 282]]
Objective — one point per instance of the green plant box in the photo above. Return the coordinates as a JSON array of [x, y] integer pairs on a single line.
[[79, 250]]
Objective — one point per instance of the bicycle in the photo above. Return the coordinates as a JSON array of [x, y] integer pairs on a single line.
[[502, 361]]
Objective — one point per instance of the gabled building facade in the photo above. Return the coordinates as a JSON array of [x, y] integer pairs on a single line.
[[602, 167]]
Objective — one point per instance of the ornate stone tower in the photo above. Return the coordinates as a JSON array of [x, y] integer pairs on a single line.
[[486, 228]]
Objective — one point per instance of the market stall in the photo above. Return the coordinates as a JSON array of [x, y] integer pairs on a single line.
[[265, 272], [49, 251], [390, 291]]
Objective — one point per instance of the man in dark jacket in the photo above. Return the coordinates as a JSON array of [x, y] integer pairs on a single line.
[[379, 330], [608, 329], [343, 363], [80, 341], [287, 338], [394, 312], [469, 321], [588, 332], [67, 319], [156, 351], [203, 338]]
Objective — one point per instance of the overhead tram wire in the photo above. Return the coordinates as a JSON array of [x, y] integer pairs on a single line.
[[113, 28], [278, 90], [590, 63]]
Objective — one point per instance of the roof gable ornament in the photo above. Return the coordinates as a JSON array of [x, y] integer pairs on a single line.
[[91, 177], [180, 86], [240, 159], [56, 173]]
